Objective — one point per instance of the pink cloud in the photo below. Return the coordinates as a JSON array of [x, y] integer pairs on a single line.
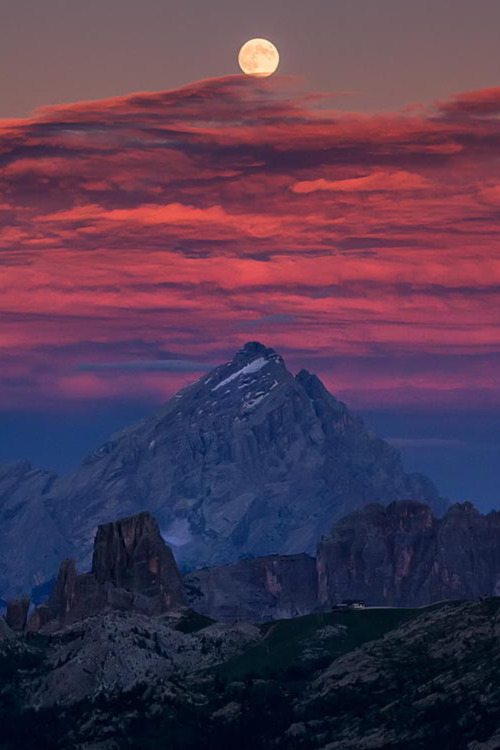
[[482, 102], [375, 182], [170, 221]]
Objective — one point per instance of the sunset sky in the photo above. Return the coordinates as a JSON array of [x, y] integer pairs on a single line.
[[345, 211]]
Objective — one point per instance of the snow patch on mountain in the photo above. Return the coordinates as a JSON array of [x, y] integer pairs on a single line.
[[253, 401], [254, 366]]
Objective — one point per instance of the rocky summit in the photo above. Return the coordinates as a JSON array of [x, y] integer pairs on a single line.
[[133, 570], [131, 554], [248, 460]]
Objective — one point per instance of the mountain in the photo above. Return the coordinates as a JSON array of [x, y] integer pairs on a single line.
[[248, 460], [383, 679], [402, 555]]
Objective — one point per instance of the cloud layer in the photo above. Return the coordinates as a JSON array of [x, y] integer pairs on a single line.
[[177, 225]]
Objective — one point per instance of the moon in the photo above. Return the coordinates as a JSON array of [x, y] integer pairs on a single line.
[[258, 58]]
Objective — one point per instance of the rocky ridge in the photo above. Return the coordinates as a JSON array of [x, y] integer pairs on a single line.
[[117, 651], [403, 555], [371, 680], [399, 555]]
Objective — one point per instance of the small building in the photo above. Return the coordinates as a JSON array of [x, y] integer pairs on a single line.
[[354, 603]]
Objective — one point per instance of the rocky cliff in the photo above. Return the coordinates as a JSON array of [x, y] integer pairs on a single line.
[[248, 460], [398, 555], [266, 588], [402, 555], [131, 554], [133, 570], [17, 612]]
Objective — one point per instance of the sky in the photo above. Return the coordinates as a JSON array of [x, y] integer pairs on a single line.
[[158, 209]]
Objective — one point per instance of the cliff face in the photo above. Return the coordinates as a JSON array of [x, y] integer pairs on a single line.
[[17, 613], [32, 543], [133, 570], [402, 555], [132, 555], [266, 588]]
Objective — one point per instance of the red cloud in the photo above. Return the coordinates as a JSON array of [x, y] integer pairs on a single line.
[[482, 102], [185, 222], [380, 181]]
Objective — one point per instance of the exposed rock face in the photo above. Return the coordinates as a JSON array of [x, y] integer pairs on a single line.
[[133, 570], [5, 631], [41, 617], [403, 555], [116, 651], [74, 597], [266, 588], [132, 555], [248, 460], [65, 594], [27, 526], [17, 613]]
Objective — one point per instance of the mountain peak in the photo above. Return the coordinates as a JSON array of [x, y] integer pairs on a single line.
[[253, 365], [255, 350]]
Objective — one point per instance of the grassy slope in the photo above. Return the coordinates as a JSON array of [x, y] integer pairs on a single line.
[[285, 651]]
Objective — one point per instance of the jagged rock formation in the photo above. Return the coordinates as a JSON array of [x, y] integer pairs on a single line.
[[248, 460], [396, 555], [17, 613], [131, 554], [402, 555], [265, 588], [132, 570]]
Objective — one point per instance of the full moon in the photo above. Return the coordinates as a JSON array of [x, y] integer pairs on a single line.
[[259, 58]]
